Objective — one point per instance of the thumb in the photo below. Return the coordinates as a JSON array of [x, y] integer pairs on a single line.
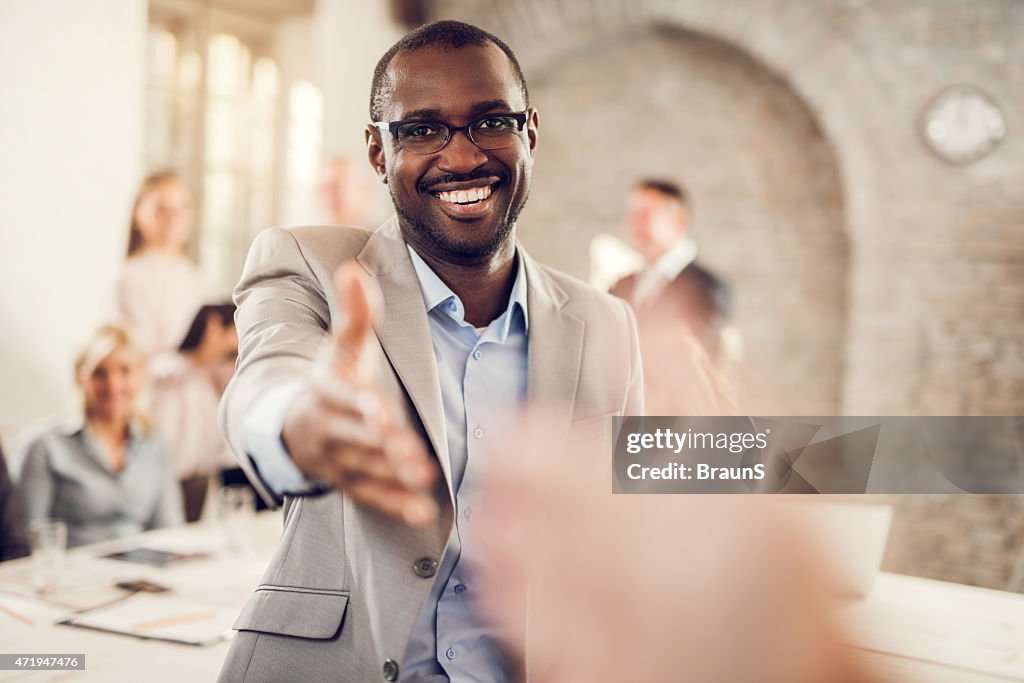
[[357, 301]]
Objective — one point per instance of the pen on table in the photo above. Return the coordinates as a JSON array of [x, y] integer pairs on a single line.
[[170, 621], [17, 615]]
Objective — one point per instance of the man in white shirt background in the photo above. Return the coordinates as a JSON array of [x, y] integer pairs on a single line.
[[672, 286]]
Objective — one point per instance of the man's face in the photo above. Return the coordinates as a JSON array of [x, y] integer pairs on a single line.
[[431, 191], [656, 222]]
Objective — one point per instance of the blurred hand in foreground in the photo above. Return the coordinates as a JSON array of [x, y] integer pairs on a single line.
[[617, 588]]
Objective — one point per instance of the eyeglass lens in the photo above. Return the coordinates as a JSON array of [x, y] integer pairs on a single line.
[[425, 137]]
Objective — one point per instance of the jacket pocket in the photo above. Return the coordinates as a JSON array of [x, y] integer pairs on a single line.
[[293, 611]]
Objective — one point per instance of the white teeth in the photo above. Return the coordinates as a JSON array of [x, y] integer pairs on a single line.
[[470, 196]]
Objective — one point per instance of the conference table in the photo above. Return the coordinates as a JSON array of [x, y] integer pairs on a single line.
[[224, 579], [908, 630]]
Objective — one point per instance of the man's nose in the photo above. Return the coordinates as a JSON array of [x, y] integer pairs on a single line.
[[461, 155]]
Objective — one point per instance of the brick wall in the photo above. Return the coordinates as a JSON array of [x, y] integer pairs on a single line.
[[871, 277]]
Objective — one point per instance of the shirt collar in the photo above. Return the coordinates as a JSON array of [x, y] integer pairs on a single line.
[[78, 425], [676, 259], [436, 292]]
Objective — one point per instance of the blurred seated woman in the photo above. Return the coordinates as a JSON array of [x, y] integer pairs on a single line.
[[185, 399], [108, 475]]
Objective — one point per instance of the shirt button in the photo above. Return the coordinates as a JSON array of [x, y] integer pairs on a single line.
[[478, 433], [467, 513], [449, 653], [390, 670], [460, 589], [452, 306], [424, 567], [477, 354]]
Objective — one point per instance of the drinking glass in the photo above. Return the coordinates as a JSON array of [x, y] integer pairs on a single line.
[[48, 540], [237, 509]]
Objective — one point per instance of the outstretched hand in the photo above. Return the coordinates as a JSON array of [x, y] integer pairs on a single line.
[[342, 431]]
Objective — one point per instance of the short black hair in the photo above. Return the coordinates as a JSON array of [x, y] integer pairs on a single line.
[[194, 336], [448, 35], [665, 187]]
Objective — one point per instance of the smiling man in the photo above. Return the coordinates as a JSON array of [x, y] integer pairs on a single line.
[[375, 368]]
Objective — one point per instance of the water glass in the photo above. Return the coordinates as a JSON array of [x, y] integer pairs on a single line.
[[236, 510], [48, 540]]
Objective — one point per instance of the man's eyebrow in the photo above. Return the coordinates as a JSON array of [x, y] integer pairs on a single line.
[[475, 110], [421, 114], [484, 107]]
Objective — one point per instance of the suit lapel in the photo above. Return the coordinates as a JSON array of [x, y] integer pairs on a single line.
[[404, 332], [555, 344]]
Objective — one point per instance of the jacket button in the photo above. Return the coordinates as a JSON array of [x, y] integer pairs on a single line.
[[390, 670], [425, 567]]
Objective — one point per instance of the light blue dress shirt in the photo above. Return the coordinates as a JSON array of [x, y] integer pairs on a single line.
[[482, 374], [483, 380]]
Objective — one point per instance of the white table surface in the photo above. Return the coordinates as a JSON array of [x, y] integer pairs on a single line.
[[226, 579], [909, 630]]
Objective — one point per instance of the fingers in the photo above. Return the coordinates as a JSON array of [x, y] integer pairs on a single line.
[[350, 398], [393, 475], [343, 431], [366, 477], [358, 453], [358, 302], [388, 469], [418, 510]]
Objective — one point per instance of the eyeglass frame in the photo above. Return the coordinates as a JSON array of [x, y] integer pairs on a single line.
[[521, 118]]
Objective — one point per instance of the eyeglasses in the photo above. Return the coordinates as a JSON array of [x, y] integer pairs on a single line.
[[492, 131]]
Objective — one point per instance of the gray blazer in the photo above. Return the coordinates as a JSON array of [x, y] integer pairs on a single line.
[[346, 585]]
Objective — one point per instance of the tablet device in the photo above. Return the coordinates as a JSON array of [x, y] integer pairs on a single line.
[[152, 556]]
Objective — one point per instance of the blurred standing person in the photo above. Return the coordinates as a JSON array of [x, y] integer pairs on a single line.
[[672, 286], [160, 288], [108, 474], [346, 192], [186, 397]]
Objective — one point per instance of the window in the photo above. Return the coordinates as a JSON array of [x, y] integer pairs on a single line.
[[213, 100]]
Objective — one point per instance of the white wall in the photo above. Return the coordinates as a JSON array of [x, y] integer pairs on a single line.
[[71, 140]]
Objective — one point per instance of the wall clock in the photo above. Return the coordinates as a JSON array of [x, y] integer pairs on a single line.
[[962, 124]]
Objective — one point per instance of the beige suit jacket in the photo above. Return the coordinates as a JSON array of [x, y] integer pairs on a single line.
[[342, 593]]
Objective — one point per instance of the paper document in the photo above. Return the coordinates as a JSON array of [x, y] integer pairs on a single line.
[[161, 617], [29, 611]]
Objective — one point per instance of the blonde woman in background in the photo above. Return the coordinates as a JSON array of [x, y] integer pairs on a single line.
[[108, 474]]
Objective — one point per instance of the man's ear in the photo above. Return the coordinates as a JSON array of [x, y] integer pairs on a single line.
[[532, 123], [375, 152]]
